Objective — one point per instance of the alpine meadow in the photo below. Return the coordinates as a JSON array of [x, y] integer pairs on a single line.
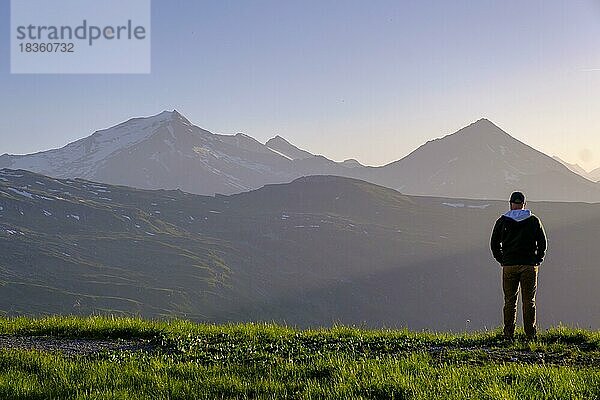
[[299, 200]]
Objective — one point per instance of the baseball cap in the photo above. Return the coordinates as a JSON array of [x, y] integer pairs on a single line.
[[517, 198]]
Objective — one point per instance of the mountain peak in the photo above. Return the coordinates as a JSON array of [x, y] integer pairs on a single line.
[[277, 139], [483, 127], [280, 138], [484, 122], [171, 116], [139, 128], [352, 163], [166, 114], [285, 148]]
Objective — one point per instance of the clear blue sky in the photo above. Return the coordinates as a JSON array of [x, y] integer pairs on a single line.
[[365, 79]]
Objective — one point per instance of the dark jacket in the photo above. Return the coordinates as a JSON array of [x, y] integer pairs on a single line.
[[518, 238]]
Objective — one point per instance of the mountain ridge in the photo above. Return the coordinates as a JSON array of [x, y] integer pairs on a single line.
[[593, 175], [167, 151]]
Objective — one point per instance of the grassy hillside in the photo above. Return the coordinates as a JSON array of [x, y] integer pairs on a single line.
[[183, 360], [313, 252]]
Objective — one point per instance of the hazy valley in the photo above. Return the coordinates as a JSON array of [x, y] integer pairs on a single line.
[[315, 251]]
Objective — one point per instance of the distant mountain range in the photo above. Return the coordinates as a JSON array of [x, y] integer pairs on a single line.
[[593, 175], [166, 151], [318, 250]]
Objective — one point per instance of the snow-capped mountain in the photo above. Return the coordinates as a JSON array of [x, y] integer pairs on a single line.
[[86, 156], [166, 151]]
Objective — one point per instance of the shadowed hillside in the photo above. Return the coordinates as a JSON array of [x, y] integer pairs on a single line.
[[319, 250]]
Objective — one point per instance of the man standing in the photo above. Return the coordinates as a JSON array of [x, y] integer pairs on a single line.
[[519, 244]]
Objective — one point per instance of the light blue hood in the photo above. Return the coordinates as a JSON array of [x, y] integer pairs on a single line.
[[518, 215]]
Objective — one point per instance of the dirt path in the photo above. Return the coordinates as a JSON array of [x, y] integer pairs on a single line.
[[476, 355]]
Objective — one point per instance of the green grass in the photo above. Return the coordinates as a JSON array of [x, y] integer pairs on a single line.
[[271, 361]]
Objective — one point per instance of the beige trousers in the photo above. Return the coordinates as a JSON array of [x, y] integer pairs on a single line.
[[514, 276]]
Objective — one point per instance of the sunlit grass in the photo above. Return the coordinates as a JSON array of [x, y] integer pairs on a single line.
[[273, 361]]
